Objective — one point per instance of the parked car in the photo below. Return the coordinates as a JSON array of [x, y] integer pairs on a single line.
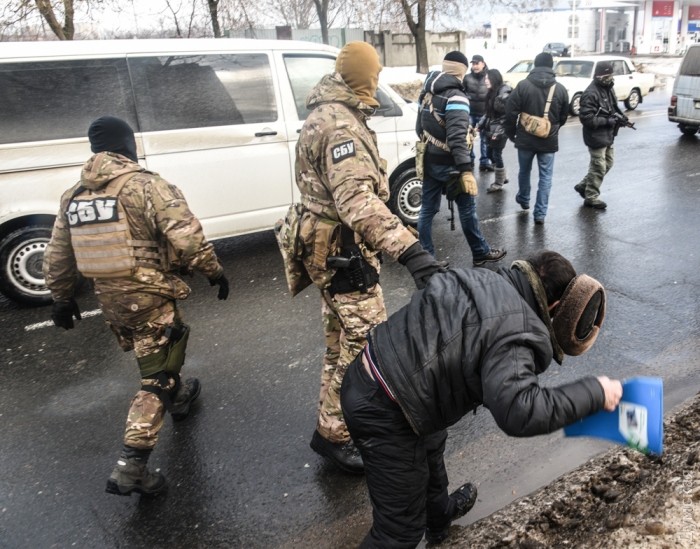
[[518, 72], [576, 73], [218, 118], [558, 49], [685, 99]]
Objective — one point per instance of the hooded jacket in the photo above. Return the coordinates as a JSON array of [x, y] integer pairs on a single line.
[[451, 106], [530, 96], [155, 211], [475, 337], [343, 180], [495, 115], [598, 104]]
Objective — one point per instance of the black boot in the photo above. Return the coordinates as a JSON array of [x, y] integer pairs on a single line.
[[461, 501], [187, 393], [345, 454], [132, 475]]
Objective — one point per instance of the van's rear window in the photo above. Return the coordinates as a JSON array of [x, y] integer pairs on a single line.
[[690, 65], [58, 100]]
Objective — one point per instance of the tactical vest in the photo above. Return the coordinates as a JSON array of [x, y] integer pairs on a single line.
[[101, 238]]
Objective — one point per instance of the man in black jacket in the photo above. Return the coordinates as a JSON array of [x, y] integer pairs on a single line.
[[530, 96], [443, 123], [471, 337], [476, 90], [597, 115]]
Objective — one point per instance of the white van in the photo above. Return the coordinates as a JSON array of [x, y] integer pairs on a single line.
[[219, 118], [685, 100]]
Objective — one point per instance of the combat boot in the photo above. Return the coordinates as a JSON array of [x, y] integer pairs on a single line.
[[595, 203], [187, 393], [132, 475], [461, 501], [345, 455]]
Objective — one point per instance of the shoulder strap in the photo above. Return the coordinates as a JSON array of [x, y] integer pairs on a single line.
[[549, 100], [428, 104]]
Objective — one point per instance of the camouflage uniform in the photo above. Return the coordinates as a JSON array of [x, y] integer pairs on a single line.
[[140, 307], [343, 182]]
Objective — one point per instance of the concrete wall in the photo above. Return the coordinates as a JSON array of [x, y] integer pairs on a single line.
[[399, 49]]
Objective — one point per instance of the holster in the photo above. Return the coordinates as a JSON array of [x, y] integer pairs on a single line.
[[354, 273]]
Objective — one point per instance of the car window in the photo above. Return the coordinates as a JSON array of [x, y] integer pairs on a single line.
[[304, 73], [195, 91], [522, 66], [620, 67], [59, 99], [690, 66], [572, 67]]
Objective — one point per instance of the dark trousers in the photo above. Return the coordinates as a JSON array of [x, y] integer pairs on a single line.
[[405, 473]]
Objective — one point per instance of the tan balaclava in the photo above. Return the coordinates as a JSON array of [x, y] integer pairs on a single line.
[[456, 64], [359, 66]]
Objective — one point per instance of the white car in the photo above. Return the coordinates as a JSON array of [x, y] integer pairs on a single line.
[[576, 73]]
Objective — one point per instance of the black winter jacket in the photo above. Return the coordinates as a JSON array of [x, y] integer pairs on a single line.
[[492, 123], [530, 96], [451, 106], [470, 338], [598, 103], [476, 90]]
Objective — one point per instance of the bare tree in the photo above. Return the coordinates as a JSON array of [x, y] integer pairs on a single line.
[[213, 6], [415, 13], [299, 14], [322, 12]]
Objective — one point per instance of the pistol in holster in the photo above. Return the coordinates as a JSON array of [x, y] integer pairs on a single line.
[[353, 273]]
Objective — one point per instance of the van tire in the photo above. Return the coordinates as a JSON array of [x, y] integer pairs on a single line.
[[21, 259], [406, 196], [575, 105], [634, 99], [688, 130]]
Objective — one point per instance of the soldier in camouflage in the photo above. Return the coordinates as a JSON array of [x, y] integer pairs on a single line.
[[131, 231], [346, 225]]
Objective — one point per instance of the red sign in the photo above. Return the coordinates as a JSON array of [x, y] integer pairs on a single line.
[[693, 13], [662, 8]]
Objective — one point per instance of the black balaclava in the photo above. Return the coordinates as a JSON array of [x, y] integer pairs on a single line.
[[111, 134]]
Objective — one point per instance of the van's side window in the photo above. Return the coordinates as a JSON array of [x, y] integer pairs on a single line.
[[196, 91], [59, 99], [304, 73]]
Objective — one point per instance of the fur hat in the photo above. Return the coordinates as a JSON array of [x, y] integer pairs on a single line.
[[579, 315], [544, 59], [359, 67]]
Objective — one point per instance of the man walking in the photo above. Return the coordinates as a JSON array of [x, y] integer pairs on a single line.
[[344, 187], [132, 232], [471, 337], [476, 90], [443, 123], [538, 95], [600, 125]]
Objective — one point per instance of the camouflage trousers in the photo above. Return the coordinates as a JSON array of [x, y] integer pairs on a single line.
[[347, 318], [139, 320]]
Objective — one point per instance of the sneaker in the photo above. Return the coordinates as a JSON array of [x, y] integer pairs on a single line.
[[493, 188], [186, 395], [539, 221], [580, 188], [464, 499], [523, 204], [493, 255], [345, 455], [596, 203]]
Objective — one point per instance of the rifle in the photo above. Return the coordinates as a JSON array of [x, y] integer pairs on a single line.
[[621, 121]]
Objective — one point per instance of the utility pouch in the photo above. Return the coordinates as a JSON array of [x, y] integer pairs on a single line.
[[421, 146], [287, 234], [176, 351], [535, 125]]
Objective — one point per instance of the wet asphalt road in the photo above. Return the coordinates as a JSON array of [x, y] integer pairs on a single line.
[[240, 470]]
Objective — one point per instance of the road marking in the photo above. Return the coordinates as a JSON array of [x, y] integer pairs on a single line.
[[49, 323]]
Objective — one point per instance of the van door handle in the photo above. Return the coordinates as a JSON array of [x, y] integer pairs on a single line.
[[264, 133]]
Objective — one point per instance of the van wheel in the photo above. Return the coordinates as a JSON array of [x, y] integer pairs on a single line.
[[633, 100], [406, 196], [688, 130], [21, 259], [575, 105]]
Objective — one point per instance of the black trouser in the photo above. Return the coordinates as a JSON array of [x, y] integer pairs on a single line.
[[405, 473]]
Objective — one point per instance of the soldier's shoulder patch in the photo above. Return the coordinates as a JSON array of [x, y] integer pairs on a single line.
[[343, 150]]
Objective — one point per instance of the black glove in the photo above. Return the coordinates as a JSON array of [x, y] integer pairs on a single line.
[[222, 283], [63, 312], [612, 121], [420, 264]]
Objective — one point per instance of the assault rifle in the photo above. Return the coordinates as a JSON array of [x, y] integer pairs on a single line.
[[621, 121]]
